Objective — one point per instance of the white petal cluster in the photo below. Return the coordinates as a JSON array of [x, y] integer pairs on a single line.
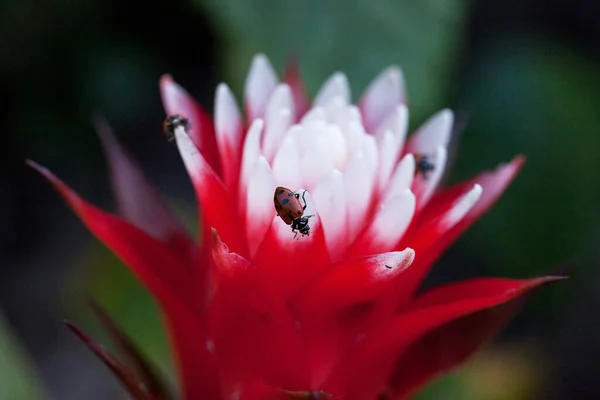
[[354, 161]]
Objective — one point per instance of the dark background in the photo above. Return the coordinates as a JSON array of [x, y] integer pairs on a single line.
[[523, 76]]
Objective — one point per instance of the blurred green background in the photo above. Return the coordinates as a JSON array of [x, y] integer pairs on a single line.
[[522, 76]]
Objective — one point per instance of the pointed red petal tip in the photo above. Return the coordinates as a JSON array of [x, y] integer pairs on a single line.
[[137, 198], [176, 100], [129, 350], [495, 182], [453, 343], [433, 310], [226, 263], [147, 257], [166, 78], [59, 185], [130, 381], [480, 288], [423, 235]]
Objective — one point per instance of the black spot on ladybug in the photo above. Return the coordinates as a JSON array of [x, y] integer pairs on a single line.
[[285, 201], [281, 191], [388, 266], [290, 194]]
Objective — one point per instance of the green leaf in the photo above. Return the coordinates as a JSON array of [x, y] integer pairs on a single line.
[[97, 273], [103, 277], [128, 378], [540, 99], [513, 371], [19, 377]]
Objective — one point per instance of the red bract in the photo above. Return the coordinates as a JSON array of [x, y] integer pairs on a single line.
[[253, 313]]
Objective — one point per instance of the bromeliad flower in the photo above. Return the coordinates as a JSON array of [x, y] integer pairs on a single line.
[[255, 314]]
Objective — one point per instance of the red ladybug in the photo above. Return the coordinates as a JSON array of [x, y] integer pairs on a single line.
[[423, 165], [291, 210], [172, 122]]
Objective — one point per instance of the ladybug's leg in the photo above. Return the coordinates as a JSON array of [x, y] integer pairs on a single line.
[[303, 199], [295, 228]]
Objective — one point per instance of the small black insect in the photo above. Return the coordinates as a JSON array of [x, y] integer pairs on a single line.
[[423, 165], [172, 122]]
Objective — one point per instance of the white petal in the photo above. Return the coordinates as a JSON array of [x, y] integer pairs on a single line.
[[355, 136], [311, 208], [278, 118], [397, 122], [388, 155], [280, 99], [435, 132], [281, 230], [275, 130], [301, 140], [333, 139], [461, 207], [315, 163], [391, 222], [401, 179], [259, 202], [196, 165], [354, 115], [371, 154], [313, 122], [228, 120], [336, 86], [393, 262], [330, 199], [358, 182], [286, 165], [260, 83], [321, 146], [424, 187], [336, 111], [315, 114], [382, 96], [251, 152]]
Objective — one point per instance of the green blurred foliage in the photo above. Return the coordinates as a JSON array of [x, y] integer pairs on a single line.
[[108, 281], [18, 377], [541, 99], [512, 371], [352, 36]]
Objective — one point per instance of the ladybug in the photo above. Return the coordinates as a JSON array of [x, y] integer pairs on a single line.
[[291, 210], [423, 165], [173, 122]]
